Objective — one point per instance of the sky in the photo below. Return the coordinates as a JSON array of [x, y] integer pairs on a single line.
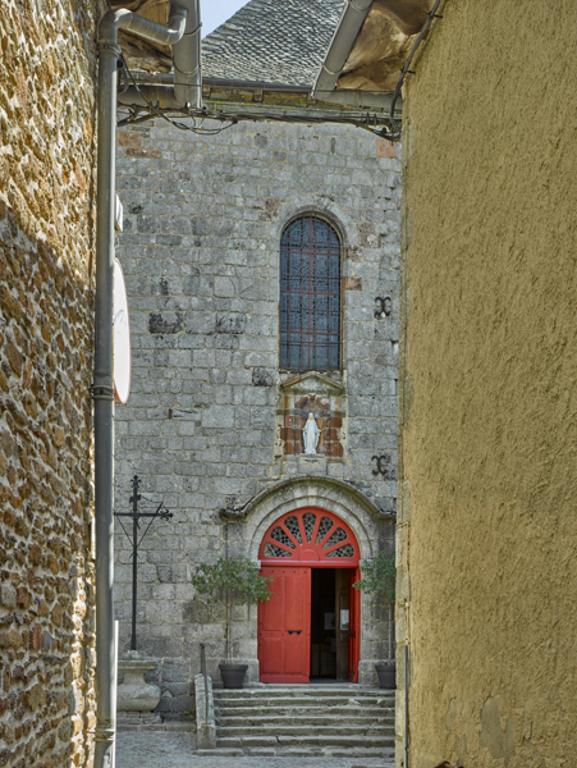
[[214, 12]]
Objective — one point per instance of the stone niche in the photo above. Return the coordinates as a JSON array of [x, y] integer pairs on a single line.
[[321, 395]]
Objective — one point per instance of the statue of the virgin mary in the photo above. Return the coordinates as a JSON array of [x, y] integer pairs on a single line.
[[311, 434]]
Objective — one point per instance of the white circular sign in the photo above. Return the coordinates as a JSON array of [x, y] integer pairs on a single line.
[[121, 337]]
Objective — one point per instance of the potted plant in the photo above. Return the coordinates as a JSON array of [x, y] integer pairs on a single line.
[[379, 579], [231, 582]]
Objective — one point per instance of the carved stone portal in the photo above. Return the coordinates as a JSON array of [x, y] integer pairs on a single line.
[[323, 397]]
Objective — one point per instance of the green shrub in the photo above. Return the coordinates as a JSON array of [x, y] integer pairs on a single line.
[[379, 576], [230, 582]]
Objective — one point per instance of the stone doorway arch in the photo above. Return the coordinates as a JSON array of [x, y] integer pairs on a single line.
[[311, 558], [371, 526]]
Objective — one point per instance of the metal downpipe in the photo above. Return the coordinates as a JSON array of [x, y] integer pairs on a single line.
[[186, 59], [186, 89], [102, 390], [104, 410]]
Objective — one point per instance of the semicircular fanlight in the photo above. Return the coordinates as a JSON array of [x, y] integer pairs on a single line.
[[310, 535]]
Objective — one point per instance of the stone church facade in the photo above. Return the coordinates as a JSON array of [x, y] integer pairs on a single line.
[[226, 241]]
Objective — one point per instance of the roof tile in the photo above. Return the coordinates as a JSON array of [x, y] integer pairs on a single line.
[[274, 42]]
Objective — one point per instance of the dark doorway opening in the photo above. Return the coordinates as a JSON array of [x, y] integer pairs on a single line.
[[330, 623], [323, 624]]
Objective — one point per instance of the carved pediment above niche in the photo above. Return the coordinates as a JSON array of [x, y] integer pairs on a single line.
[[314, 383], [319, 394]]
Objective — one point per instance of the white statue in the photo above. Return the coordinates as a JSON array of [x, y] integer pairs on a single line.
[[311, 434]]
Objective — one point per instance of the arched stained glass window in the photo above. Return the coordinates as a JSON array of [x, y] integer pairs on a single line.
[[310, 278]]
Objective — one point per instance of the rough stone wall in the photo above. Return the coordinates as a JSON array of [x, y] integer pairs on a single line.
[[200, 250], [489, 430], [46, 571]]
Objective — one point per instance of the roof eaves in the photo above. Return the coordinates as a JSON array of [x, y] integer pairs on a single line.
[[356, 98], [255, 84]]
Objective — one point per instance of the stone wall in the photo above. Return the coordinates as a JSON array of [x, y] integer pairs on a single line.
[[489, 430], [206, 425], [46, 238]]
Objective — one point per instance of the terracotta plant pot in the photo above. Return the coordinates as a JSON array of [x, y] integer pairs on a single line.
[[232, 674], [387, 673]]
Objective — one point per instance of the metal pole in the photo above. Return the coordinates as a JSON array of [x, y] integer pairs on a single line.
[[407, 685], [102, 388], [104, 408], [164, 514], [205, 676], [135, 498]]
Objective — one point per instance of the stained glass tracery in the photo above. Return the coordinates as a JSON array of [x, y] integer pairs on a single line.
[[310, 267]]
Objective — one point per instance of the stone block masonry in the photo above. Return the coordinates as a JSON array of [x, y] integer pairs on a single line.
[[46, 239], [205, 424]]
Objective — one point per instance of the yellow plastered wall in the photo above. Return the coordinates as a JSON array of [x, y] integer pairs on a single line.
[[489, 397]]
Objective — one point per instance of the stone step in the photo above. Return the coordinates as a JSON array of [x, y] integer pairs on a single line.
[[298, 690], [343, 726], [315, 717], [310, 710], [306, 721], [371, 729], [312, 740], [303, 701], [386, 754]]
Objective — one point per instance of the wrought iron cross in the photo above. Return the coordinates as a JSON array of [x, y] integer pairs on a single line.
[[162, 513]]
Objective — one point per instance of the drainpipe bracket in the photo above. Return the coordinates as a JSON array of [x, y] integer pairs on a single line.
[[101, 392], [104, 732], [112, 47]]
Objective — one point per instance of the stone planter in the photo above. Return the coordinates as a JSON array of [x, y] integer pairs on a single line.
[[232, 674], [386, 672], [134, 695]]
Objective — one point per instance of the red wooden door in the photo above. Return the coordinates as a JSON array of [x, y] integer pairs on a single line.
[[354, 635], [284, 626], [306, 538]]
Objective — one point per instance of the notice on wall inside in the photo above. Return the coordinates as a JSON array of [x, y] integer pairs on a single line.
[[329, 620]]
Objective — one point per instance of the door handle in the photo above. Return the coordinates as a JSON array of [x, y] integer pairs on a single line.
[[294, 631]]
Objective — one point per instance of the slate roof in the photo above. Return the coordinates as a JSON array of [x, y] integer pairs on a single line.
[[274, 42]]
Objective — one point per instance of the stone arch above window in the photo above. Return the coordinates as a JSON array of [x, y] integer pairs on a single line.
[[310, 295]]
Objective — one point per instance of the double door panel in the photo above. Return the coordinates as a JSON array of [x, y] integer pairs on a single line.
[[284, 626]]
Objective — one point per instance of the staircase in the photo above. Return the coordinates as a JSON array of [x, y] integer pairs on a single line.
[[337, 720]]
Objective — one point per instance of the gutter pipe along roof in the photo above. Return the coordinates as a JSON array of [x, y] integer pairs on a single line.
[[325, 86], [351, 23]]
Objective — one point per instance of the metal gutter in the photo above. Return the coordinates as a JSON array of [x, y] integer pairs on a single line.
[[257, 84], [357, 99], [162, 97], [103, 386], [157, 91], [154, 91], [351, 23], [167, 78]]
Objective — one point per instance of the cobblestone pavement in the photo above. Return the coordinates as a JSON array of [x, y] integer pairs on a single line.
[[173, 749]]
